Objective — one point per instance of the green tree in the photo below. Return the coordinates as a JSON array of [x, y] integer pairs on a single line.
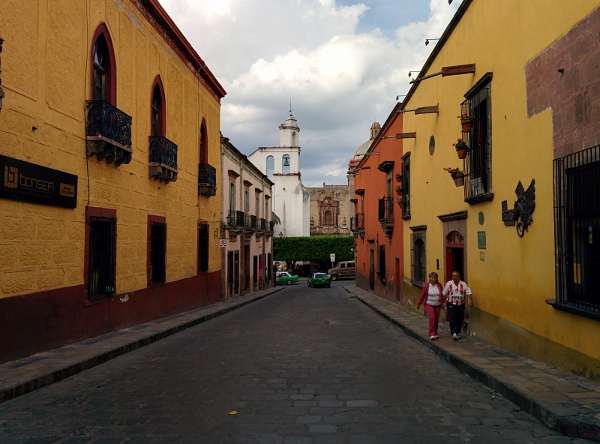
[[313, 248]]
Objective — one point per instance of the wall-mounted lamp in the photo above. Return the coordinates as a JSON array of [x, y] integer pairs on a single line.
[[427, 41], [410, 72]]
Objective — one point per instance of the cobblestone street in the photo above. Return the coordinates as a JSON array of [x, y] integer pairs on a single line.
[[303, 365]]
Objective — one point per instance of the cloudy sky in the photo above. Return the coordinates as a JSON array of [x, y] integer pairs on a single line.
[[340, 62]]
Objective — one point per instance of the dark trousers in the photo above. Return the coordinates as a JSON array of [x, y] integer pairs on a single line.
[[456, 316]]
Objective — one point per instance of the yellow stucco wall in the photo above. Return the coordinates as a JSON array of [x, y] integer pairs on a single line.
[[45, 77], [512, 277]]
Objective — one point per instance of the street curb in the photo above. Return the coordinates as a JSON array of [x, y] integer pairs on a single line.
[[8, 393], [567, 426]]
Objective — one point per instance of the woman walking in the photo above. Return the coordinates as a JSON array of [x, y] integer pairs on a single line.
[[433, 299]]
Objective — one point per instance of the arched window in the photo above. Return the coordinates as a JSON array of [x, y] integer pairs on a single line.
[[285, 164], [203, 145], [157, 118], [103, 67], [270, 166]]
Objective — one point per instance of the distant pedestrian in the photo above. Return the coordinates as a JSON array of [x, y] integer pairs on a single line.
[[455, 292], [433, 299], [274, 275]]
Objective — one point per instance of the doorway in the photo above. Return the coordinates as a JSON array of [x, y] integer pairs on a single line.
[[455, 255]]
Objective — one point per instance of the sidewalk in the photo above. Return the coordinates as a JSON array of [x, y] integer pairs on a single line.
[[560, 400], [28, 374]]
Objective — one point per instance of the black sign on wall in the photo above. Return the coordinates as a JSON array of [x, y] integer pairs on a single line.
[[28, 182]]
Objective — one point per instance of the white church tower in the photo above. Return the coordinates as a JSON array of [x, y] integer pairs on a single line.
[[291, 200]]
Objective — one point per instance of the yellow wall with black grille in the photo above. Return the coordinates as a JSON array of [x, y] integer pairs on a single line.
[[509, 267]]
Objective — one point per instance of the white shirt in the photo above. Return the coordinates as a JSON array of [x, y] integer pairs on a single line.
[[434, 296], [456, 293]]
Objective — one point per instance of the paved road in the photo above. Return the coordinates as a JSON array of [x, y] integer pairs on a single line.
[[301, 366]]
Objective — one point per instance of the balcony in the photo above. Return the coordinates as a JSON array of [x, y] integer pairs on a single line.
[[108, 133], [261, 227], [235, 219], [163, 159], [207, 180], [386, 214]]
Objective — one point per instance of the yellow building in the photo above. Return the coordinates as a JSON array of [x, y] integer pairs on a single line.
[[522, 225], [109, 152]]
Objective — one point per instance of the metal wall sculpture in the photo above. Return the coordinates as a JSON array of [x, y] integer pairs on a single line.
[[522, 209]]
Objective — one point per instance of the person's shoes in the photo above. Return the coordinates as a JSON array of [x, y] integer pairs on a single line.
[[454, 337], [436, 337], [432, 337]]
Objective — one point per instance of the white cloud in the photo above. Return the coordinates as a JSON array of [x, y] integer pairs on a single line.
[[339, 80]]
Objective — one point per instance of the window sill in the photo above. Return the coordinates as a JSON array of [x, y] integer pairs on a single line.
[[573, 310], [486, 197], [419, 284]]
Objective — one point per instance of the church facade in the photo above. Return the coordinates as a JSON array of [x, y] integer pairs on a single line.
[[291, 199], [330, 210]]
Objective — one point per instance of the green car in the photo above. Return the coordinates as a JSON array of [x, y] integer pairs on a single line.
[[319, 279], [283, 277]]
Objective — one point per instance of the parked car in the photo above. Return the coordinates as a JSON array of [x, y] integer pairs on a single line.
[[345, 269], [319, 279], [283, 277]]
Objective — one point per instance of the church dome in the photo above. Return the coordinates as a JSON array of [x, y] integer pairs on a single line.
[[362, 150]]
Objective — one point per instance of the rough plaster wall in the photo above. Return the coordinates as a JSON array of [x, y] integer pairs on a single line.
[[41, 247]]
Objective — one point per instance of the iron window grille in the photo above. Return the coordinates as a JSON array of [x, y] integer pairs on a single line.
[[382, 275], [202, 247], [478, 184], [577, 230], [158, 252], [102, 257], [418, 258], [406, 186]]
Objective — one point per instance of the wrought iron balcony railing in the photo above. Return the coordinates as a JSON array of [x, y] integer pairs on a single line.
[[163, 159], [108, 132], [263, 224], [235, 218], [207, 180], [271, 225], [386, 208]]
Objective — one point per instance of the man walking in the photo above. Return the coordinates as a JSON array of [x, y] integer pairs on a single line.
[[455, 292]]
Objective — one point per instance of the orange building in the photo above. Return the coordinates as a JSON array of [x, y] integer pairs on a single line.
[[376, 173]]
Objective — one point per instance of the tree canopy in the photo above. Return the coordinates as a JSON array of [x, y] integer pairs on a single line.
[[313, 248]]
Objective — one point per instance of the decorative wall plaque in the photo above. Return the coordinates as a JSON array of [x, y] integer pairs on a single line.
[[28, 182], [522, 209]]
